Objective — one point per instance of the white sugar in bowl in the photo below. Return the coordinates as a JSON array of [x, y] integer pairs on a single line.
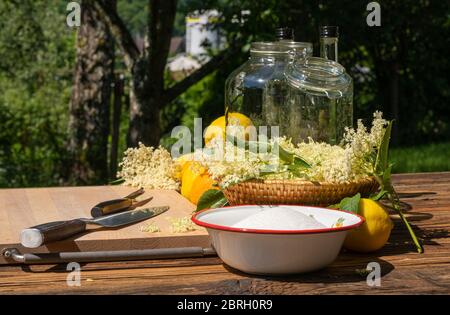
[[277, 240]]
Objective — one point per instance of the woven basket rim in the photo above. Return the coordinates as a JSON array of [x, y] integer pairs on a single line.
[[308, 182], [294, 191]]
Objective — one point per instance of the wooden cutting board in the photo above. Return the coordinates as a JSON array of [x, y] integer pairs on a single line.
[[22, 208]]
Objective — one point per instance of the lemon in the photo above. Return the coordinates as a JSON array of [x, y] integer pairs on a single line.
[[180, 162], [218, 127], [195, 180], [183, 159], [188, 175], [372, 234], [201, 183]]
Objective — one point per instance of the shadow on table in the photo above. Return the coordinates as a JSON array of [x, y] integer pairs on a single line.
[[415, 194], [346, 269], [129, 265], [400, 241], [426, 236]]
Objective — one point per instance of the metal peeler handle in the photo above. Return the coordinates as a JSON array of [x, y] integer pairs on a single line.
[[14, 254], [120, 204]]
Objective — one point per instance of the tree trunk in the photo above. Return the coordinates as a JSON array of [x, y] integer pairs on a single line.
[[90, 102], [147, 88], [148, 95], [115, 131], [145, 104]]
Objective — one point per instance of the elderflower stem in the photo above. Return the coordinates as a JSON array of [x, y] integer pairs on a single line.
[[396, 205]]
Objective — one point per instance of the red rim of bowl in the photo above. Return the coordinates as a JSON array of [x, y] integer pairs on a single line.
[[263, 231]]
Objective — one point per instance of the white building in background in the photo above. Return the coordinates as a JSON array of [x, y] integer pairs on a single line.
[[201, 35], [200, 30]]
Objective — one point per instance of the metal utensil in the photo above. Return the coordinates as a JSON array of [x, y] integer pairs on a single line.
[[118, 205], [55, 231], [14, 255]]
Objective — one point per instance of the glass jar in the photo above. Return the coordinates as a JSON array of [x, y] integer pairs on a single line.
[[259, 88], [323, 94]]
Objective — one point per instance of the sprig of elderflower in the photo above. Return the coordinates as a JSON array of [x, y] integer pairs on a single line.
[[148, 167]]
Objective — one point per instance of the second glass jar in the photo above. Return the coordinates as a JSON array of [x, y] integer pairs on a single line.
[[259, 88], [283, 85]]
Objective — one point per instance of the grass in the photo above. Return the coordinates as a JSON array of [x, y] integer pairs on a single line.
[[422, 158]]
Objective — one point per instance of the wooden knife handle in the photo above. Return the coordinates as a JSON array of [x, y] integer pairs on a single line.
[[50, 232]]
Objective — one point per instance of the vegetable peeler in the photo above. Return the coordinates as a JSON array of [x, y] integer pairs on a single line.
[[117, 205]]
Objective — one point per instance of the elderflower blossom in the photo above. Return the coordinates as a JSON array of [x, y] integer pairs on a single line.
[[361, 143], [182, 225], [352, 160], [150, 228], [149, 167], [329, 163], [229, 164]]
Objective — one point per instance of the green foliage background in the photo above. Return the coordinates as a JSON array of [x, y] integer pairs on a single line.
[[37, 54], [36, 63]]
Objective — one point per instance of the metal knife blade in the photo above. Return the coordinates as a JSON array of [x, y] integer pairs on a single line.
[[128, 217]]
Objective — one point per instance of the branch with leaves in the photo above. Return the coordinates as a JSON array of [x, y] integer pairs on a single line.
[[383, 175], [160, 25], [214, 63], [122, 35]]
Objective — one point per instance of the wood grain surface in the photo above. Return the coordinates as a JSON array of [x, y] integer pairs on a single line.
[[22, 208], [426, 201]]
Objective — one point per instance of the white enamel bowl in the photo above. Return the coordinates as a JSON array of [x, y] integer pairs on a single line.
[[274, 251]]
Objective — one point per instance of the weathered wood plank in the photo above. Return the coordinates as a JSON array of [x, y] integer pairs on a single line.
[[403, 270]]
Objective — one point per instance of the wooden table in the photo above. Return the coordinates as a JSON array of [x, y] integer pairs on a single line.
[[426, 201]]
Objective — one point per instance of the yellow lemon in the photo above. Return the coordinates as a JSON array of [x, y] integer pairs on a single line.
[[180, 162], [195, 180], [202, 183], [188, 175], [372, 234], [217, 128], [183, 159]]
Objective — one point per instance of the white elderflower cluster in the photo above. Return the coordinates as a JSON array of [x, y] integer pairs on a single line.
[[148, 167], [361, 143], [229, 164], [331, 163]]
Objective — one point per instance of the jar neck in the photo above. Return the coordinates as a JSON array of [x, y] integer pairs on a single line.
[[270, 58], [329, 48]]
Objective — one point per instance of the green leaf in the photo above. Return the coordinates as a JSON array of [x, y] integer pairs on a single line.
[[382, 162], [263, 146], [210, 199], [254, 145], [350, 203], [298, 161], [291, 158], [296, 170]]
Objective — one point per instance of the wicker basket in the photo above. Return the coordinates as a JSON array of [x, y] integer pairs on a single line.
[[296, 191]]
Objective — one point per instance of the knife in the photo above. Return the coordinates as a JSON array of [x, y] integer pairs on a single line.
[[55, 231]]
